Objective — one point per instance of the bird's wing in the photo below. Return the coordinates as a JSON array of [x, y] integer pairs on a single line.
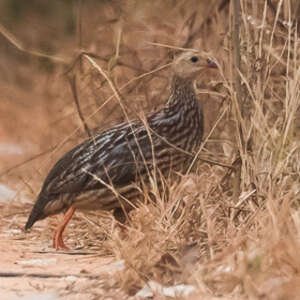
[[113, 156]]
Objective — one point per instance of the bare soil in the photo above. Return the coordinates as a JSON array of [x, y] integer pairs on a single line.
[[30, 266]]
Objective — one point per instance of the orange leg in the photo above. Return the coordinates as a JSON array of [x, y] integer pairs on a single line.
[[58, 242]]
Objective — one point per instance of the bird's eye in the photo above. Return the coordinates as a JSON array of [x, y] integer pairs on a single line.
[[194, 59]]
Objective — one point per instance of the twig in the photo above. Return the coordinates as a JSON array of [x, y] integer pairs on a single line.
[[212, 162], [72, 253], [237, 178], [237, 52], [96, 56], [14, 41], [45, 275], [79, 30], [172, 47], [237, 65], [72, 81]]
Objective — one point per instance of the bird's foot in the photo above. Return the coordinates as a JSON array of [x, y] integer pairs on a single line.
[[58, 243]]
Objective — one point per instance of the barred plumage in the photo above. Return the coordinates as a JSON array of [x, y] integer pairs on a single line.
[[127, 154]]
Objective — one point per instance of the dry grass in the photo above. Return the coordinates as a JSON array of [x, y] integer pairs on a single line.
[[235, 250]]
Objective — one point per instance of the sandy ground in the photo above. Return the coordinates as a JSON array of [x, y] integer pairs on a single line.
[[32, 267]]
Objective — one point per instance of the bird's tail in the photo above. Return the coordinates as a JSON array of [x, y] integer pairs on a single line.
[[37, 212]]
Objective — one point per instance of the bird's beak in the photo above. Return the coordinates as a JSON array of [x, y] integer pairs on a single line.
[[211, 64]]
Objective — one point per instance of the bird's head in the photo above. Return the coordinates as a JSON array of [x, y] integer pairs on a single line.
[[189, 64]]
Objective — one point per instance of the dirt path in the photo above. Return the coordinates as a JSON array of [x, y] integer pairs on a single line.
[[25, 270], [30, 268]]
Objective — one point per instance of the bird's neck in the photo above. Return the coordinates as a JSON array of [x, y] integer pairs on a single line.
[[182, 93]]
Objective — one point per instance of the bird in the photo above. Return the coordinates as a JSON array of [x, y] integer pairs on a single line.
[[104, 172]]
